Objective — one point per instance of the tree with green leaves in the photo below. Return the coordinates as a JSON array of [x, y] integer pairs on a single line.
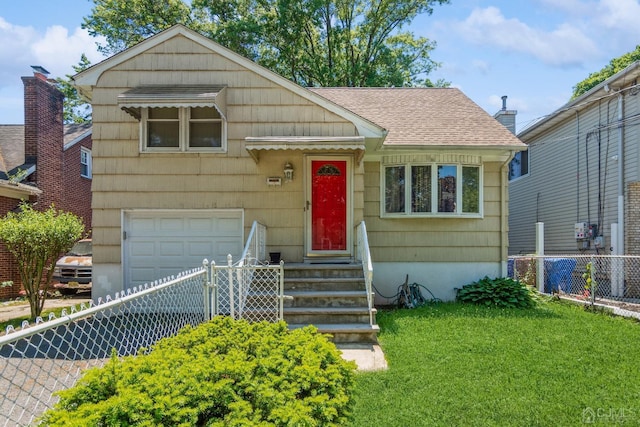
[[36, 240], [312, 42], [614, 66], [75, 109]]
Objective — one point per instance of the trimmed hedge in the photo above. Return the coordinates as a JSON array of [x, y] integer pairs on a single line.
[[221, 373]]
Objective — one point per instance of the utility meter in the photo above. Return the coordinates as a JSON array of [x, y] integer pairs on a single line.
[[582, 230]]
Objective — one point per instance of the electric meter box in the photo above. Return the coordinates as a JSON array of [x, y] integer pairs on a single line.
[[582, 230]]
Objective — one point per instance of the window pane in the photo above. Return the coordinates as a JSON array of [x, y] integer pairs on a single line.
[[394, 189], [447, 188], [421, 189], [205, 134], [519, 166], [204, 113], [470, 189], [163, 134], [163, 113]]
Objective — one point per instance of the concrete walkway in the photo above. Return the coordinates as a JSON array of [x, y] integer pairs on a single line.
[[368, 357]]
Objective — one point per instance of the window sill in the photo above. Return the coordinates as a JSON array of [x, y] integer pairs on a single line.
[[434, 215]]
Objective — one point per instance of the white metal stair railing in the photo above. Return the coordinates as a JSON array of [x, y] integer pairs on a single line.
[[250, 289], [363, 255]]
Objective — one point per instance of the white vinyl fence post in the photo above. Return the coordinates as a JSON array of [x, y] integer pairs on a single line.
[[617, 264], [540, 256]]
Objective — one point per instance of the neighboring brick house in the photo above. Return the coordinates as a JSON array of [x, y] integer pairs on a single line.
[[43, 162]]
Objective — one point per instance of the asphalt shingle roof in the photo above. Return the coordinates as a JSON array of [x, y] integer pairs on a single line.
[[11, 147], [424, 116]]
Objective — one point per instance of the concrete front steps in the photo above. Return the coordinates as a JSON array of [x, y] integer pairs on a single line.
[[332, 297]]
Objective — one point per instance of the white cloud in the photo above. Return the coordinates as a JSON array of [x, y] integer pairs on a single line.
[[565, 45], [619, 15], [57, 50]]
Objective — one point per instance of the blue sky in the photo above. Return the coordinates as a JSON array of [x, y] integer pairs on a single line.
[[534, 51]]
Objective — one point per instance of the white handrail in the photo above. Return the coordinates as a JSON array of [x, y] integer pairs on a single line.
[[256, 244], [363, 255]]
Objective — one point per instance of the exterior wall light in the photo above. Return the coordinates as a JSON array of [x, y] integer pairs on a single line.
[[288, 172]]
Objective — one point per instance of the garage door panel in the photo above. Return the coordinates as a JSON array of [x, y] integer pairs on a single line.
[[200, 224], [228, 226], [140, 275], [165, 243], [168, 249], [200, 249], [141, 249]]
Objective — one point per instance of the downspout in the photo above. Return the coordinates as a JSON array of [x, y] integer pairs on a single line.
[[621, 242], [504, 209], [577, 166]]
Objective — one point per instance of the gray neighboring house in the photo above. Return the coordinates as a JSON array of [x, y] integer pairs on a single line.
[[581, 174]]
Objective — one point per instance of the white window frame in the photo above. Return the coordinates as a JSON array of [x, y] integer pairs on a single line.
[[434, 193], [184, 119], [85, 160]]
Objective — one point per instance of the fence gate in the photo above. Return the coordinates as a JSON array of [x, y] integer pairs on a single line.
[[247, 290]]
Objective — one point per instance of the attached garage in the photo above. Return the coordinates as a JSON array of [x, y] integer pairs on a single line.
[[162, 243]]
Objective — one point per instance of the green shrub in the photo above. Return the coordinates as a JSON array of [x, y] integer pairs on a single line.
[[499, 292], [221, 373]]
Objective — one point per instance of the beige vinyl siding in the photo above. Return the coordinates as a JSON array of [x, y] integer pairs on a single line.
[[124, 178], [434, 239], [561, 189]]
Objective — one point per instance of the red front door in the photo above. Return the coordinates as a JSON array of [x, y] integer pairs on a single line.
[[328, 205]]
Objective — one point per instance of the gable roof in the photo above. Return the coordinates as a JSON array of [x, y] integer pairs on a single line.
[[442, 117], [85, 80], [12, 154], [11, 147], [611, 87], [74, 133]]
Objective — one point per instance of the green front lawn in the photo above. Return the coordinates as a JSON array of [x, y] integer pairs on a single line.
[[462, 365]]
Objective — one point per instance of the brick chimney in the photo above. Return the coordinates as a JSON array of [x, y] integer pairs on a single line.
[[43, 134], [506, 117]]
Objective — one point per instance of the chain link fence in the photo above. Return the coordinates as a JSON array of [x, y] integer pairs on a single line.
[[612, 277], [38, 360]]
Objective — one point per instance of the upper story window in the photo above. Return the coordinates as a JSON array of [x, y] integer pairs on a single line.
[[85, 162], [432, 190], [178, 118], [519, 165], [182, 129]]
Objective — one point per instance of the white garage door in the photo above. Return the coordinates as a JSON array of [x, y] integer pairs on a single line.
[[162, 243]]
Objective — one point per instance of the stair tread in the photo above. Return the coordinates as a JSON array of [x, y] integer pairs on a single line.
[[339, 327], [324, 279], [320, 310], [313, 293]]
